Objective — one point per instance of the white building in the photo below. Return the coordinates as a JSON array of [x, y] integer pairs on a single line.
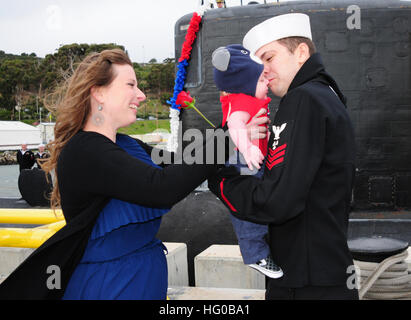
[[46, 131], [14, 133]]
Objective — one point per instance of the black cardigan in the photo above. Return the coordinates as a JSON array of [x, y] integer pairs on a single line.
[[91, 170]]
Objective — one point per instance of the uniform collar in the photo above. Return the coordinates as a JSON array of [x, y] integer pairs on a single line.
[[314, 68], [309, 70]]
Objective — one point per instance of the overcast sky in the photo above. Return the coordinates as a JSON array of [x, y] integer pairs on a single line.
[[144, 28]]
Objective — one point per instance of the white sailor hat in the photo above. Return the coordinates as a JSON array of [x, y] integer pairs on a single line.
[[278, 27]]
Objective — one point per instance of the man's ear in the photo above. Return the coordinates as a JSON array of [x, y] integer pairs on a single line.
[[303, 53]]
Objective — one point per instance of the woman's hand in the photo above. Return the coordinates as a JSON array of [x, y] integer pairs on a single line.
[[255, 130]]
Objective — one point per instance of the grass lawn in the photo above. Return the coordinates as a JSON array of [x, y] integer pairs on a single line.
[[150, 107], [146, 126]]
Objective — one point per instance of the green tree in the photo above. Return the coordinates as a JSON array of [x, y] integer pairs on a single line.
[[16, 76], [161, 77], [24, 79]]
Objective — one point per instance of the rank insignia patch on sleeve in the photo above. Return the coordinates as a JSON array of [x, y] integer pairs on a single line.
[[277, 131], [275, 156], [276, 153]]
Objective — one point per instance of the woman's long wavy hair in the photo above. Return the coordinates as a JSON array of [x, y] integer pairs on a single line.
[[71, 104]]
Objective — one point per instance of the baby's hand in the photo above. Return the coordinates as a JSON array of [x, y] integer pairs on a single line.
[[253, 156]]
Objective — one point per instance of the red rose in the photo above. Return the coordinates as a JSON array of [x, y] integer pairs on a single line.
[[184, 97]]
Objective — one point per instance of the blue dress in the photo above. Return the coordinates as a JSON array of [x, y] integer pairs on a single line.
[[123, 260]]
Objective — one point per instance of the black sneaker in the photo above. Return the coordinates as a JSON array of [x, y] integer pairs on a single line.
[[268, 268]]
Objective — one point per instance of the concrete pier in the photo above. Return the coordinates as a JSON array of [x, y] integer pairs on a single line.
[[10, 258], [221, 266], [177, 264], [203, 293], [220, 272]]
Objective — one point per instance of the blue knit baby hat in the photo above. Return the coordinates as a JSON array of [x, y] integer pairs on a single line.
[[234, 71]]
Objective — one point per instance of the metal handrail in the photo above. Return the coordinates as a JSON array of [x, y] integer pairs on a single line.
[[50, 222], [30, 216], [28, 237]]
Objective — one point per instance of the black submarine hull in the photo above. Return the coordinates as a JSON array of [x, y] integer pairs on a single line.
[[366, 47]]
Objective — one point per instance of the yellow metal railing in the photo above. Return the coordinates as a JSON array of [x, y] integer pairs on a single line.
[[30, 216], [29, 237]]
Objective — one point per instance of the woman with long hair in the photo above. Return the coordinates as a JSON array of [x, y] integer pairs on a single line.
[[111, 193]]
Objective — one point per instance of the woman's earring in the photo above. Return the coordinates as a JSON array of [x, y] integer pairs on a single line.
[[98, 118]]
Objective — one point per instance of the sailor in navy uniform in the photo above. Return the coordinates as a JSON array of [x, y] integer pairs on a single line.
[[25, 157], [41, 154], [304, 195]]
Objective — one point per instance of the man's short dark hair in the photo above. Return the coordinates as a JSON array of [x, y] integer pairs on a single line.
[[291, 43]]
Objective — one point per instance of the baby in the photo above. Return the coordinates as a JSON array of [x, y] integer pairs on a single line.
[[243, 93]]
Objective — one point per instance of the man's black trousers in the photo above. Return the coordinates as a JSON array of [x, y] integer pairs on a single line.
[[310, 293]]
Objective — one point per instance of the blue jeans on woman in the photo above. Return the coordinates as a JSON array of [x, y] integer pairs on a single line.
[[250, 235]]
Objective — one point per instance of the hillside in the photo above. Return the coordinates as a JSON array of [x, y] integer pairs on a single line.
[[26, 79]]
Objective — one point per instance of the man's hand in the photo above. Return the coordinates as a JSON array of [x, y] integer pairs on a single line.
[[255, 130]]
